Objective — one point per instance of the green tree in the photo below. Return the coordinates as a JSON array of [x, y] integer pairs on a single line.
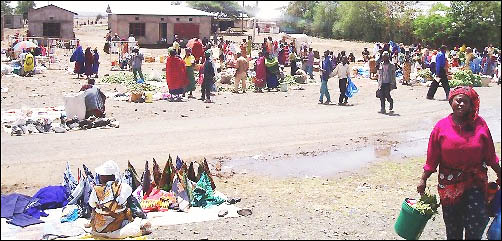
[[324, 18], [222, 8], [299, 15], [432, 28], [6, 9], [24, 6], [361, 21], [475, 23]]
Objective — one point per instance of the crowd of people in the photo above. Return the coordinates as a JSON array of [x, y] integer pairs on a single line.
[[85, 63]]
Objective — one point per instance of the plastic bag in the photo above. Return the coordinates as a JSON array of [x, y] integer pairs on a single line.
[[351, 88]]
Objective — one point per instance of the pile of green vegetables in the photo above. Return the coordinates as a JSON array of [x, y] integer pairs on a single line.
[[127, 79], [465, 78], [425, 73], [427, 205]]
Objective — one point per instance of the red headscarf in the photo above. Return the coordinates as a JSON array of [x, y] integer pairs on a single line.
[[472, 94]]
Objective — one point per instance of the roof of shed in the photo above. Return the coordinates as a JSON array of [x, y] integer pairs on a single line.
[[53, 6]]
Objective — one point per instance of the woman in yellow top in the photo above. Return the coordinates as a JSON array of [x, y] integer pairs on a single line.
[[29, 64], [469, 56], [189, 61]]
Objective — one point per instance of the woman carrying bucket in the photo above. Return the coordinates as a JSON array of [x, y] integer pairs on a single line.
[[462, 146]]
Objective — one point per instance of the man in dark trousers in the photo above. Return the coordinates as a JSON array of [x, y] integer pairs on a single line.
[[441, 74], [207, 82]]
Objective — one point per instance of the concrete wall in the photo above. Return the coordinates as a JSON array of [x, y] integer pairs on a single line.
[[13, 21], [120, 24], [50, 14]]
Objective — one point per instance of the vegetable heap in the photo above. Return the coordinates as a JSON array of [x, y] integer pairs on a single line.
[[425, 73], [427, 205], [465, 78]]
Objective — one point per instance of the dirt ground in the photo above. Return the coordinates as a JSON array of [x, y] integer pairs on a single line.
[[274, 124]]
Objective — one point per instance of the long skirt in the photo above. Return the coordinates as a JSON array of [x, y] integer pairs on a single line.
[[79, 68], [272, 81], [406, 71], [191, 79]]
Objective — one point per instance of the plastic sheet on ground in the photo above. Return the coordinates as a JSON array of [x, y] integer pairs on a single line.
[[194, 215], [52, 225]]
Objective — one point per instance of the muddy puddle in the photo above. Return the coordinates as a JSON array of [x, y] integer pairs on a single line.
[[332, 163]]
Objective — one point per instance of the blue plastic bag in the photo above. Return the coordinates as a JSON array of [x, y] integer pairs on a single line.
[[351, 88], [494, 230]]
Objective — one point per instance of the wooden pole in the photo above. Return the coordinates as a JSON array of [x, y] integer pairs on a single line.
[[242, 18]]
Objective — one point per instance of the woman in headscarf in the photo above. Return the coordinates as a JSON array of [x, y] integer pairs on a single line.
[[198, 51], [189, 61], [79, 58], [462, 145], [261, 73], [272, 72], [29, 64], [469, 56], [176, 76], [112, 212], [89, 61], [95, 65]]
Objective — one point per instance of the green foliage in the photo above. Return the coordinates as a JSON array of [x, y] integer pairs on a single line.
[[6, 8], [465, 78], [24, 6], [432, 28], [361, 21], [475, 23], [428, 204], [222, 8]]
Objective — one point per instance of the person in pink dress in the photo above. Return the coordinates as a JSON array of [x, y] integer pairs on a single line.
[[261, 73], [462, 145]]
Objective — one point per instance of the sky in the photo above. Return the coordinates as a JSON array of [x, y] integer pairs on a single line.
[[268, 8]]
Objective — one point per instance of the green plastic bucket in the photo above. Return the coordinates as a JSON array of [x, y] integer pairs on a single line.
[[411, 223]]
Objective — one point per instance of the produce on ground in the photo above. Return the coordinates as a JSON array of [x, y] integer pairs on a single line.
[[465, 78]]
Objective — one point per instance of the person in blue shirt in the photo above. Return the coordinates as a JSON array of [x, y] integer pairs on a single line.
[[326, 69], [441, 74]]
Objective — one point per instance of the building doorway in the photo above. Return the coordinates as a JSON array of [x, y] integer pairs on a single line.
[[52, 30]]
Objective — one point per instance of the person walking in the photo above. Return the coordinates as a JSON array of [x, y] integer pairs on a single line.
[[249, 46], [310, 63], [261, 73], [95, 65], [136, 62], [386, 81], [176, 77], [79, 58], [189, 62], [462, 146], [342, 70], [241, 73], [89, 61], [208, 78], [441, 74], [326, 68]]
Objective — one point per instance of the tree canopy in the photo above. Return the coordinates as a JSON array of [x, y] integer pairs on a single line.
[[222, 8], [6, 8], [475, 23], [24, 6]]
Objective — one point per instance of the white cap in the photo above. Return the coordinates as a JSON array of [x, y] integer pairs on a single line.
[[108, 168]]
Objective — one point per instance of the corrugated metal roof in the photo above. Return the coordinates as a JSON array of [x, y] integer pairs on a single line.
[[168, 10]]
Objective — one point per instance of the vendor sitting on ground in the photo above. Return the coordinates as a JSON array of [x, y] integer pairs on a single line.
[[111, 213], [94, 100]]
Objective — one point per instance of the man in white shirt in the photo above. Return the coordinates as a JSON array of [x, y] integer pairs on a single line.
[[342, 70]]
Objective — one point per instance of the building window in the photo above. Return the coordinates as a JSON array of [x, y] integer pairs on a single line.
[[136, 18], [51, 18], [178, 19], [190, 19], [137, 29], [161, 19]]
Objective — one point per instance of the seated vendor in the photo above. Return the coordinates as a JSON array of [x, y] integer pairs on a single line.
[[109, 200], [94, 100]]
